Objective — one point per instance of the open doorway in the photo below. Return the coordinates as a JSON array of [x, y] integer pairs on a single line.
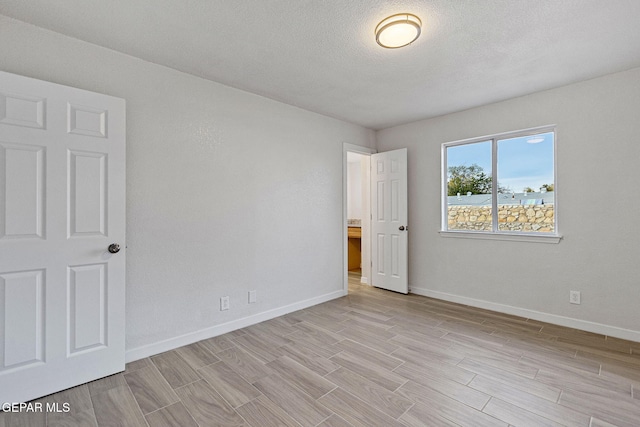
[[356, 215]]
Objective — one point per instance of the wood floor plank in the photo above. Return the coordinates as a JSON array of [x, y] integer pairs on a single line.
[[298, 404], [432, 349], [277, 326], [117, 407], [417, 332], [566, 365], [137, 364], [616, 410], [421, 415], [308, 358], [206, 406], [448, 408], [498, 361], [174, 369], [197, 355], [231, 386], [516, 416], [73, 418], [441, 384], [320, 335], [262, 412], [333, 421], [369, 355], [80, 407], [310, 343], [217, 344], [531, 386], [587, 383], [369, 338], [377, 396], [420, 362], [355, 411], [106, 384], [244, 364], [537, 405], [363, 324], [307, 380], [595, 422], [23, 419], [150, 389], [325, 321], [175, 415], [384, 377], [261, 349]]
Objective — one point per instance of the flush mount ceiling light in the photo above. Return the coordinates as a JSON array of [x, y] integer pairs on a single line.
[[535, 140], [398, 30]]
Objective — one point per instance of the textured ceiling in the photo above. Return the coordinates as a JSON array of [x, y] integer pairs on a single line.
[[321, 54]]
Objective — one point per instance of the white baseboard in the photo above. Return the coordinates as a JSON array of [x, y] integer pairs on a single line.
[[364, 280], [213, 331], [584, 325]]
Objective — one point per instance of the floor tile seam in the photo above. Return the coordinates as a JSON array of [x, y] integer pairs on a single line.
[[224, 399], [522, 409], [372, 349], [135, 401], [515, 384], [459, 402], [622, 395], [406, 410]]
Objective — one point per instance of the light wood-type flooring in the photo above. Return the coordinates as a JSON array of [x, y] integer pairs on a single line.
[[373, 358]]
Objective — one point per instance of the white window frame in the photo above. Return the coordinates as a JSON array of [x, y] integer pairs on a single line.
[[496, 233]]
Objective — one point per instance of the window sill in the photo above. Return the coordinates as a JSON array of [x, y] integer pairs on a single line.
[[521, 237]]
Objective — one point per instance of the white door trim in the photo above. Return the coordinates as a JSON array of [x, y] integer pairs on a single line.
[[346, 147]]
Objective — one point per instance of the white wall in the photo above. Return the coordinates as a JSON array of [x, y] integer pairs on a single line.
[[226, 191], [354, 188], [598, 150]]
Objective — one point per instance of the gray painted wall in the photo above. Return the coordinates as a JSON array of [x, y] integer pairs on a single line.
[[226, 191], [598, 151]]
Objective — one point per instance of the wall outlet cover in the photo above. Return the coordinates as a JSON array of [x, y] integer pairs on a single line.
[[574, 297]]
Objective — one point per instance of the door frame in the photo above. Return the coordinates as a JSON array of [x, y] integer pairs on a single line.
[[366, 240]]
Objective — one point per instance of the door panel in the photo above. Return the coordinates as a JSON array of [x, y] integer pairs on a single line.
[[62, 203], [389, 205], [88, 190], [22, 191], [23, 321], [87, 307]]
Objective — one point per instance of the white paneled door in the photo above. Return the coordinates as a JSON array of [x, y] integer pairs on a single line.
[[389, 220], [62, 206]]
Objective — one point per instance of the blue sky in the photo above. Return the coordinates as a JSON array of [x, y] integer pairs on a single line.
[[520, 164]]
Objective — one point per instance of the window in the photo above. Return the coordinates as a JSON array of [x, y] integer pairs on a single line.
[[501, 185]]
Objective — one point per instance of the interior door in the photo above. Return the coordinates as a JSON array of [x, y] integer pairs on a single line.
[[62, 204], [389, 220]]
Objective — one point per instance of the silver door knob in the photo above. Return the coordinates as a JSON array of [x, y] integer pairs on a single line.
[[114, 248], [401, 228]]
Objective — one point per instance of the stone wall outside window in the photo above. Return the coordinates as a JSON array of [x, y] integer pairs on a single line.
[[526, 218]]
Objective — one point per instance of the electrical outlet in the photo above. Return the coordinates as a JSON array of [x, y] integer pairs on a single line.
[[224, 303], [574, 297], [252, 297]]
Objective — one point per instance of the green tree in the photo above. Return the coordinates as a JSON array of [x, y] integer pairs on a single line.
[[464, 179], [549, 187], [529, 190]]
